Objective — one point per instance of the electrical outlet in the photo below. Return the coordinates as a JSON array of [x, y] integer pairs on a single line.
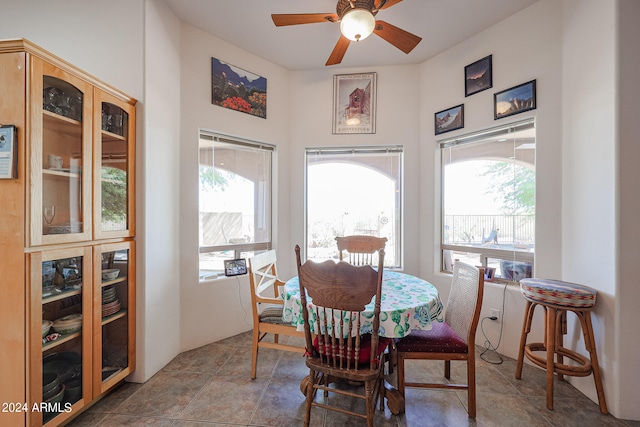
[[495, 313]]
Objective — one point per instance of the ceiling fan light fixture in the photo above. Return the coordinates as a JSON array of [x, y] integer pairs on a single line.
[[357, 24]]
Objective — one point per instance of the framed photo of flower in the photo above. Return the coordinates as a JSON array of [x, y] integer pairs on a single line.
[[238, 89]]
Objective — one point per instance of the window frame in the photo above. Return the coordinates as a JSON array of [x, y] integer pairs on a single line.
[[238, 248], [482, 252], [399, 208]]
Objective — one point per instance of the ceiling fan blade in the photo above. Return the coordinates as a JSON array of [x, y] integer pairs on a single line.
[[403, 40], [389, 3], [302, 18], [338, 51]]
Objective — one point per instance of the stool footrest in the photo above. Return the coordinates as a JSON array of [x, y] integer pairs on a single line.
[[583, 368]]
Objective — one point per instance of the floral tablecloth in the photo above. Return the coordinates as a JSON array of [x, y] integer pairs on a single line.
[[408, 303]]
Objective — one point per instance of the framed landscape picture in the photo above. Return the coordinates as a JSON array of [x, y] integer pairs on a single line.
[[478, 76], [514, 100], [238, 89], [354, 103], [450, 119]]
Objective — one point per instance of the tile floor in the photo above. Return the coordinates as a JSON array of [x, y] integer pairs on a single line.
[[210, 386]]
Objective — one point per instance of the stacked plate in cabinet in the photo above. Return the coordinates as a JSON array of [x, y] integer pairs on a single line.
[[110, 302]]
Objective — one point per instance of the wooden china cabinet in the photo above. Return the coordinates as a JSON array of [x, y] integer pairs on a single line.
[[67, 238]]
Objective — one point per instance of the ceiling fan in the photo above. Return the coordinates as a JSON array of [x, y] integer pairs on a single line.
[[357, 22]]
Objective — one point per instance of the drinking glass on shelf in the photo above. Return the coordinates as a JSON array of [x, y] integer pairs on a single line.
[[48, 213]]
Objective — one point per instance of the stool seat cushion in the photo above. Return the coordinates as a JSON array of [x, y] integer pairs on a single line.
[[558, 293]]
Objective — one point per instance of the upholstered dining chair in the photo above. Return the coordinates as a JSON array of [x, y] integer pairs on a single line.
[[267, 310], [453, 339], [360, 250], [340, 351]]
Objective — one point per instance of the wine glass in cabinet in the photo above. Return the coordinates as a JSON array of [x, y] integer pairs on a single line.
[[60, 153], [60, 334]]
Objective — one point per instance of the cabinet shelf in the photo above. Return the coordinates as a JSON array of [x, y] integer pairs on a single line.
[[111, 137], [62, 295], [114, 281], [63, 339], [115, 316], [61, 124], [52, 173]]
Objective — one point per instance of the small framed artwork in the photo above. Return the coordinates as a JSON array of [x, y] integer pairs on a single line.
[[235, 267], [8, 152], [354, 103], [515, 100], [238, 89], [478, 76], [450, 119]]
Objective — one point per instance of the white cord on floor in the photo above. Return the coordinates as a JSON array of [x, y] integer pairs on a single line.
[[487, 343]]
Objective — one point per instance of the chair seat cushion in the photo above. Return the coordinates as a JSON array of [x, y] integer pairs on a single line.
[[365, 348], [272, 313], [439, 339], [558, 293]]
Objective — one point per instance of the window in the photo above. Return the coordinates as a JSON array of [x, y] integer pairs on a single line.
[[488, 200], [354, 190], [235, 200]]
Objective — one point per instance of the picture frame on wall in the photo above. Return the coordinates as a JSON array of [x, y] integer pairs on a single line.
[[449, 119], [514, 100], [478, 76], [8, 152], [354, 103], [238, 89]]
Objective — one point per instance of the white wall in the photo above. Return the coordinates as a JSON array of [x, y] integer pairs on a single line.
[[397, 122], [158, 196], [524, 47], [220, 308], [80, 32], [588, 172]]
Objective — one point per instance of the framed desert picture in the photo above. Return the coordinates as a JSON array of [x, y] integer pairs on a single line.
[[478, 76], [354, 103], [238, 89], [514, 100], [450, 119]]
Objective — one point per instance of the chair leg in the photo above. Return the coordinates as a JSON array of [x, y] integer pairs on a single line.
[[471, 384], [526, 328], [368, 391], [550, 334], [254, 352], [311, 391], [400, 373], [590, 343]]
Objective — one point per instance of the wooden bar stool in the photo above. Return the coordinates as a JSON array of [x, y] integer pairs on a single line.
[[556, 298]]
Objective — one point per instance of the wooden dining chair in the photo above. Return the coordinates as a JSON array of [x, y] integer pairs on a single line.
[[340, 351], [453, 339], [267, 310], [360, 250]]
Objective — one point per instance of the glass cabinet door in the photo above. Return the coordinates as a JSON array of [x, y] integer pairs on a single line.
[[60, 284], [60, 149], [114, 131], [114, 307]]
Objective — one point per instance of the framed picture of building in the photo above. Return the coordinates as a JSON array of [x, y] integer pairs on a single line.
[[354, 103]]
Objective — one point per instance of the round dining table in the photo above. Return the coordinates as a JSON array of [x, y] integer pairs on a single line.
[[408, 303]]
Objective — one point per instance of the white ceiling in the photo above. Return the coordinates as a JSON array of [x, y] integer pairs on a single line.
[[247, 24]]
